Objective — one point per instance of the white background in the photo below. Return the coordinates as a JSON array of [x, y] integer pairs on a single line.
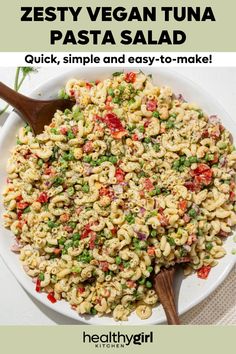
[[16, 306]]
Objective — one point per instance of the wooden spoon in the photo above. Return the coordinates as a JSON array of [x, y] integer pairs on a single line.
[[163, 285], [37, 113]]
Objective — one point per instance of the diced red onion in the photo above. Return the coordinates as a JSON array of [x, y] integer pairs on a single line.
[[15, 248], [141, 236], [214, 119], [118, 189], [26, 268], [180, 97], [187, 248], [142, 211], [183, 260], [223, 161]]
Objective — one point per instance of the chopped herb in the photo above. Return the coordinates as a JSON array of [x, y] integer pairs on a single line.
[[117, 73]]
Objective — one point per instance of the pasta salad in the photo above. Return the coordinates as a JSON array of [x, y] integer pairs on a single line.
[[131, 180]]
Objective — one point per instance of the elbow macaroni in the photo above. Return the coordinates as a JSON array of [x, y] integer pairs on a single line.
[[130, 181]]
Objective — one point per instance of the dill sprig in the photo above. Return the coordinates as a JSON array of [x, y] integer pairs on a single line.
[[21, 73]]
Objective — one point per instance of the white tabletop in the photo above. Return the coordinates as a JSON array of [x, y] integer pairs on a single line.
[[16, 306]]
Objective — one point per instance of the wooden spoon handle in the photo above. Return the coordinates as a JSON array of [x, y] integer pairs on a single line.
[[163, 284]]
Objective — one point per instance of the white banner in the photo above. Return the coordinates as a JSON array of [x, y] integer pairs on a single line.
[[157, 59]]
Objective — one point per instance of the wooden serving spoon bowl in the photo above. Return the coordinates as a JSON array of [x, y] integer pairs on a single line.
[[163, 285], [37, 113]]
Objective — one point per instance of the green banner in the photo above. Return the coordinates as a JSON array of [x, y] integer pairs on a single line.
[[135, 25]]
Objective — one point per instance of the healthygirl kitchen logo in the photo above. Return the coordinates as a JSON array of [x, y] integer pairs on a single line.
[[117, 339]]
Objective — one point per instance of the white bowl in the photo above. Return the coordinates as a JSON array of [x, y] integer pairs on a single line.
[[192, 290]]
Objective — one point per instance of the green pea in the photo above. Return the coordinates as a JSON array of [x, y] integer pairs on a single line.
[[110, 92], [40, 162], [182, 160], [156, 147], [85, 188], [51, 224], [118, 260], [87, 159], [58, 181], [147, 140], [170, 124], [77, 115], [126, 264], [148, 284], [192, 213], [54, 131], [209, 157], [142, 174], [149, 269], [158, 190], [67, 111], [41, 276], [76, 270], [187, 163], [69, 244], [27, 128], [181, 168], [113, 159], [104, 159], [152, 193], [62, 240], [62, 94], [93, 163], [193, 159], [116, 100], [176, 165], [153, 233], [93, 311], [156, 114], [131, 101], [72, 224], [222, 145], [173, 115], [70, 135], [141, 129], [71, 191], [171, 241], [64, 251], [130, 218], [98, 162], [142, 281], [209, 246], [76, 236], [76, 243]]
